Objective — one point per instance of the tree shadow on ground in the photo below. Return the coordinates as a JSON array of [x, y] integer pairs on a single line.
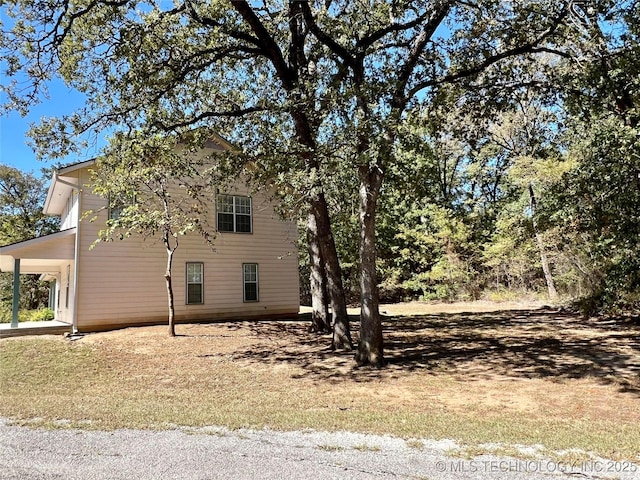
[[543, 343]]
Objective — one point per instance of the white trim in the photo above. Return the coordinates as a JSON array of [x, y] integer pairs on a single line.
[[55, 180], [245, 282], [76, 166], [235, 214], [187, 283], [76, 267]]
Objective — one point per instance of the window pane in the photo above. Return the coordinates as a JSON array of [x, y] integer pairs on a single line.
[[250, 272], [115, 212], [243, 205], [194, 293], [225, 222], [118, 204], [250, 292], [225, 203], [194, 273], [234, 213], [243, 223]]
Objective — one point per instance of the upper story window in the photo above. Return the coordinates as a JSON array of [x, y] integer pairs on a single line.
[[234, 213], [118, 204]]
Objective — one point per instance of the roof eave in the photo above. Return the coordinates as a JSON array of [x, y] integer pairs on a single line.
[[55, 179]]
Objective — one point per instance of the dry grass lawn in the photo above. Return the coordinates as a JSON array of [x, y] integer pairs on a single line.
[[478, 373]]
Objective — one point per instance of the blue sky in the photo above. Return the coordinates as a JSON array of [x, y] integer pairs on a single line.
[[14, 150]]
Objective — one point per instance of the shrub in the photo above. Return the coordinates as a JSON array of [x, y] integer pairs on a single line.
[[40, 315]]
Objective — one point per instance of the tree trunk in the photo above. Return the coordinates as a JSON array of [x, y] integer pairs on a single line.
[[370, 346], [317, 280], [546, 268], [290, 72], [167, 277], [340, 321]]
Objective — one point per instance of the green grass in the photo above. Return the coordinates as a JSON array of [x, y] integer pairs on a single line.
[[54, 383]]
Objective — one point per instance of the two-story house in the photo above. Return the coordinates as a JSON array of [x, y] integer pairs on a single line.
[[251, 273]]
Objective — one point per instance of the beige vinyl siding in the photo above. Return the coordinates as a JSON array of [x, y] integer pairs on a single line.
[[122, 282]]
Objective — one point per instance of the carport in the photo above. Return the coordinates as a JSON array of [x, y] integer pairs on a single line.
[[46, 256]]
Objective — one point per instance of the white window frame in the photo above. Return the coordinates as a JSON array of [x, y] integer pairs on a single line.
[[250, 281], [235, 211], [188, 282]]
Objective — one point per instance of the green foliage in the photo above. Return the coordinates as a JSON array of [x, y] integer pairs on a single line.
[[39, 315], [34, 294], [426, 252], [22, 197], [158, 187], [597, 204], [5, 312]]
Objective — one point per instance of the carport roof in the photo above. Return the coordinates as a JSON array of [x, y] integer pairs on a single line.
[[41, 254]]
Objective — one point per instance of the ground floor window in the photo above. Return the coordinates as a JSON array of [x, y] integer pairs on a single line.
[[195, 283], [66, 295], [250, 281]]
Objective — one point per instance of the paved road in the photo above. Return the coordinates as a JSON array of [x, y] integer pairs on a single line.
[[216, 453]]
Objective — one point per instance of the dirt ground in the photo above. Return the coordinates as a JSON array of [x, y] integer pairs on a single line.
[[506, 357]]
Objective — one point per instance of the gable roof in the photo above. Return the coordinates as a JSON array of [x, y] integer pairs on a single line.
[[61, 186], [63, 182], [214, 141]]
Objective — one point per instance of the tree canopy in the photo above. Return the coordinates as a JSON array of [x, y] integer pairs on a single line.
[[22, 197]]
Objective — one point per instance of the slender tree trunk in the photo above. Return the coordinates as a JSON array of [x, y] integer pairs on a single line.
[[340, 320], [546, 268], [167, 277], [318, 280], [370, 346]]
